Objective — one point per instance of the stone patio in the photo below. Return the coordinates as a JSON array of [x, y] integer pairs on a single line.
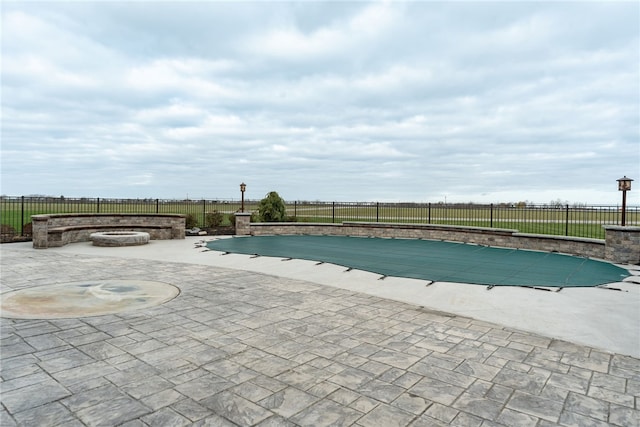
[[245, 348]]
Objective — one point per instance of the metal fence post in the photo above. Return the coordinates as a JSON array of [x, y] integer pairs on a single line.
[[157, 205], [566, 224], [491, 220], [377, 211], [22, 217], [98, 205], [333, 212], [429, 214]]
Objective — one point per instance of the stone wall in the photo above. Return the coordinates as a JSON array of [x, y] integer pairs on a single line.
[[594, 248]]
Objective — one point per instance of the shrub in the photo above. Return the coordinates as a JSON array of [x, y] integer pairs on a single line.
[[7, 232], [190, 221], [213, 219], [272, 208]]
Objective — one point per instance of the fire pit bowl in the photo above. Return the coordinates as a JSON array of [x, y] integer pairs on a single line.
[[119, 238]]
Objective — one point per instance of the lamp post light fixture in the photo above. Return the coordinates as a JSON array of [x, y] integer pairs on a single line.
[[243, 187], [624, 185]]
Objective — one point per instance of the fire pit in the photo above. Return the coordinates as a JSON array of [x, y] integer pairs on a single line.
[[119, 238]]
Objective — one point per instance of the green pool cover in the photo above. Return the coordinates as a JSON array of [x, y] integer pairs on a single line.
[[433, 260]]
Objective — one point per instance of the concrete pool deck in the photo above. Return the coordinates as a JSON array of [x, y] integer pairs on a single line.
[[272, 342]]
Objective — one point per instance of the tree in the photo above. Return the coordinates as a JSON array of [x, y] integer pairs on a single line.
[[272, 208]]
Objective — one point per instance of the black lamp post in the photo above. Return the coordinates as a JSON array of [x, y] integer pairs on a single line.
[[243, 187], [624, 185]]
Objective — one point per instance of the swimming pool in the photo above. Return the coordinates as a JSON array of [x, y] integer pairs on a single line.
[[432, 260]]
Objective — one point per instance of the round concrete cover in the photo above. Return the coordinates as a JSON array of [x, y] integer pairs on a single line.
[[88, 298]]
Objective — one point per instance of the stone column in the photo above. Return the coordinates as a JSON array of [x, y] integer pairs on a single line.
[[243, 223], [178, 226], [40, 231], [622, 244]]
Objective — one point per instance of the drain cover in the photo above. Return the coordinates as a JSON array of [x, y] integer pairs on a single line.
[[88, 298]]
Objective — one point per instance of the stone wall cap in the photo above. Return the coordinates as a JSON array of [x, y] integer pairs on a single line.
[[429, 226], [559, 237], [42, 217], [621, 228], [297, 224]]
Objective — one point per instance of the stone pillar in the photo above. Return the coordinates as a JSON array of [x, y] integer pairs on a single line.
[[40, 231], [622, 244], [178, 227], [243, 223]]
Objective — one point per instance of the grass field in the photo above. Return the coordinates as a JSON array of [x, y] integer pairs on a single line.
[[571, 221]]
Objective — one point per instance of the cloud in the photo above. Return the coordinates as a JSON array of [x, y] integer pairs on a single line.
[[486, 102], [340, 37]]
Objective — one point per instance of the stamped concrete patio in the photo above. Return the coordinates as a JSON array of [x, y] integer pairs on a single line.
[[240, 347]]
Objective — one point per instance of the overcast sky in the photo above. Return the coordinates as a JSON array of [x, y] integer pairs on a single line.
[[358, 101]]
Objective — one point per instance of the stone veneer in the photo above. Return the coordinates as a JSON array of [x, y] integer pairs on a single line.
[[243, 223], [54, 230], [622, 244], [593, 248]]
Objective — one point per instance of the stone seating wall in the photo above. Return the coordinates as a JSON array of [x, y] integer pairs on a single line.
[[53, 230]]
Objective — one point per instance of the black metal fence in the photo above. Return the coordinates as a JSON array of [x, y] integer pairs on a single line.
[[566, 220], [578, 221]]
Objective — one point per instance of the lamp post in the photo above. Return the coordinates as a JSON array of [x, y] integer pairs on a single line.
[[243, 187], [624, 185]]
